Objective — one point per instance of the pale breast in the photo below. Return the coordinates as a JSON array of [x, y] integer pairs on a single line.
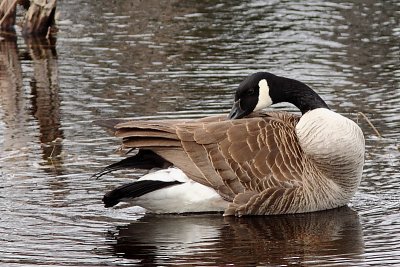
[[335, 143]]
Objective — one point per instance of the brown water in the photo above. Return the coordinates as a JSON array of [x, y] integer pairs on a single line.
[[184, 59]]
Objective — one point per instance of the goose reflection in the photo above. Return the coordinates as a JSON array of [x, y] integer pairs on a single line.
[[306, 239]]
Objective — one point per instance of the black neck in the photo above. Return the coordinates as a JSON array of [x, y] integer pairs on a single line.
[[298, 94]]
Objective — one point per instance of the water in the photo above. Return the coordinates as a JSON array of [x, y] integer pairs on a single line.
[[184, 59]]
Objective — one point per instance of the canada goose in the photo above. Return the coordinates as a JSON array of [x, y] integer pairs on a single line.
[[246, 164]]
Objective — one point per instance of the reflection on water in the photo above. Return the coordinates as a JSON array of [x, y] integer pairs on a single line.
[[312, 239], [45, 92], [183, 59], [42, 106], [12, 103]]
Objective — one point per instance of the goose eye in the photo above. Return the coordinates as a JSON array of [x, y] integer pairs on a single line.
[[250, 91]]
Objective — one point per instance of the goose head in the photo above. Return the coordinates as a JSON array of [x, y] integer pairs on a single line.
[[263, 89]]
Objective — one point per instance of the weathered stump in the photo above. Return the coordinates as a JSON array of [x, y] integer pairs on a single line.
[[7, 14], [38, 20], [40, 17]]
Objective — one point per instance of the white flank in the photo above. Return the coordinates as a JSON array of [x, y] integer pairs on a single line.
[[264, 100], [189, 196]]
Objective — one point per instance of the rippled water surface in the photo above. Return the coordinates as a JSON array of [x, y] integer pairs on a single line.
[[184, 59]]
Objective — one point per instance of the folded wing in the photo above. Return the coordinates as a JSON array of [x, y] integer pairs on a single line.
[[255, 163]]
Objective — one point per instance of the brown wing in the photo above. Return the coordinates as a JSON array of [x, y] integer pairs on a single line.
[[249, 161], [162, 138]]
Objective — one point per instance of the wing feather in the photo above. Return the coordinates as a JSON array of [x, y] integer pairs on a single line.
[[256, 162]]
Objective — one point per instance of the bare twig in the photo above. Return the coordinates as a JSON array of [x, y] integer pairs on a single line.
[[370, 124]]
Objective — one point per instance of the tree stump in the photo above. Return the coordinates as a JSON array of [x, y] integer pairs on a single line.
[[7, 14], [40, 17]]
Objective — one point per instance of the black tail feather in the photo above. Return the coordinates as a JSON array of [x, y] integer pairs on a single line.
[[144, 159], [133, 190]]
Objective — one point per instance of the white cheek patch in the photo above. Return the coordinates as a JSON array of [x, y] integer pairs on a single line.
[[264, 100]]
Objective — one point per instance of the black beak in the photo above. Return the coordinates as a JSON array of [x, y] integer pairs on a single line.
[[237, 112]]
